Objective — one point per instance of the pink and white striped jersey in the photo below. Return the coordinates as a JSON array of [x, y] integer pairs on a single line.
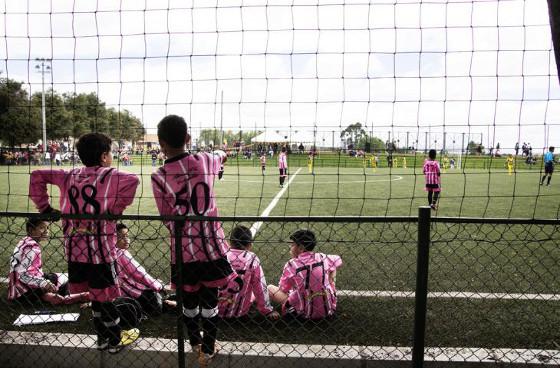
[[432, 175], [86, 190], [282, 160], [133, 278], [26, 270], [236, 298], [306, 281], [184, 185]]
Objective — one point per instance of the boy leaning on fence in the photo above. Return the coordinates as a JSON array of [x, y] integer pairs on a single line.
[[183, 186], [307, 285], [95, 189], [236, 299], [27, 284]]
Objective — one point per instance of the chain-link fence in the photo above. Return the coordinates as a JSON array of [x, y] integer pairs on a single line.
[[490, 294]]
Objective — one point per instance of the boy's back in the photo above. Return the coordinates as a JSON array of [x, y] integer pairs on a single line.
[[237, 297], [306, 279], [185, 186], [87, 190], [431, 172]]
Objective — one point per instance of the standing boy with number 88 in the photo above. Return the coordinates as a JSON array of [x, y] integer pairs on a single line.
[[95, 189], [184, 186]]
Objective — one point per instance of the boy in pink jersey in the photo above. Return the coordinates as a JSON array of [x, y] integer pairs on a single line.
[[27, 284], [134, 281], [236, 298], [184, 185], [90, 249], [307, 285], [432, 174], [263, 162], [283, 166]]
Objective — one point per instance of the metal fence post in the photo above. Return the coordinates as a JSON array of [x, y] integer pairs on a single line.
[[421, 294], [178, 225]]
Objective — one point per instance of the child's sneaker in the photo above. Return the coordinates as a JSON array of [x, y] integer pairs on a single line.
[[127, 338], [102, 343], [204, 359]]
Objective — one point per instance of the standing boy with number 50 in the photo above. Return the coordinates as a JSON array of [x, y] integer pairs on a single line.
[[184, 186], [90, 245]]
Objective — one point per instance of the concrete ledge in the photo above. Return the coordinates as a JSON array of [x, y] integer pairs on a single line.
[[37, 349]]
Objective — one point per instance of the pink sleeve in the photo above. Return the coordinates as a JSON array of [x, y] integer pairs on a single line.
[[38, 186], [158, 188], [259, 288], [286, 283], [334, 262], [126, 189], [138, 273]]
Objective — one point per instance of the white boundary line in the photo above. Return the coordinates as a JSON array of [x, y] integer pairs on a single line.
[[433, 294], [257, 225], [449, 295], [269, 351]]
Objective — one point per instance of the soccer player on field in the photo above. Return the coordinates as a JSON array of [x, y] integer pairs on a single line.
[[184, 185], [95, 189], [27, 284], [432, 174], [236, 298], [307, 285], [134, 281], [548, 165], [263, 162], [283, 166], [509, 164]]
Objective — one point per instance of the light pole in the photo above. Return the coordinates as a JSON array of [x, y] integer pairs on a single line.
[[43, 68]]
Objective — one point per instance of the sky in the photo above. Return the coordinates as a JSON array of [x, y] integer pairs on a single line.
[[403, 69]]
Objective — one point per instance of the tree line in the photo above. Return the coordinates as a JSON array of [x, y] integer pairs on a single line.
[[67, 115]]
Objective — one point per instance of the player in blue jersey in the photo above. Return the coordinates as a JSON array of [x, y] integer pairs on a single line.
[[548, 166]]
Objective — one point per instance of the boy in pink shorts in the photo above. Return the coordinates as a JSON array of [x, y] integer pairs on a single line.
[[90, 245], [184, 186]]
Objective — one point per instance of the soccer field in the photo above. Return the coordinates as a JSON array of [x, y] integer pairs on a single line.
[[516, 263]]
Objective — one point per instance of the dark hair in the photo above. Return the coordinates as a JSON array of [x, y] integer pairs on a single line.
[[32, 223], [283, 149], [172, 130], [121, 226], [241, 237], [551, 148], [432, 154], [91, 146], [304, 238]]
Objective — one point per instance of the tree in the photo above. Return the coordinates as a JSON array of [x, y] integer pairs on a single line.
[[474, 148], [217, 137], [20, 123], [57, 118], [353, 134]]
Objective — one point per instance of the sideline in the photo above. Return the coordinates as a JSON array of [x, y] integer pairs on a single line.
[[257, 225], [70, 350]]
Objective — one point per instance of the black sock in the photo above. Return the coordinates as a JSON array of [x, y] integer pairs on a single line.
[[430, 196], [542, 180], [548, 182], [436, 196], [193, 329], [210, 328]]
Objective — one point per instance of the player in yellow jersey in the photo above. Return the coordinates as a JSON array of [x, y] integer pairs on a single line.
[[310, 162], [509, 164]]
